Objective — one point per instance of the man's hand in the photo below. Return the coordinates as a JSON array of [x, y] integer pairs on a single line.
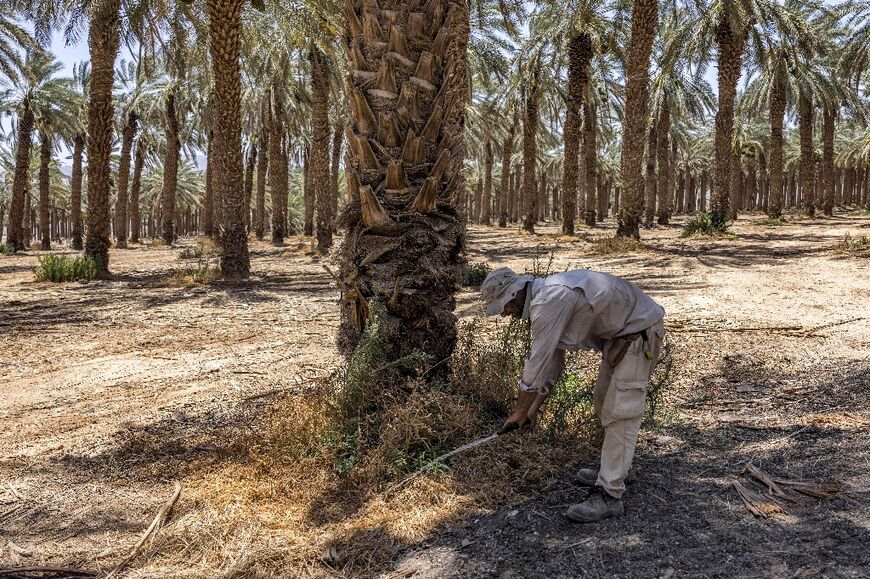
[[519, 418]]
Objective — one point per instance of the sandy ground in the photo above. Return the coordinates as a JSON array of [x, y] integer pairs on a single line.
[[772, 342]]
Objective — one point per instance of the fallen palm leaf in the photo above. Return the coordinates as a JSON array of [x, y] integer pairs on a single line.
[[758, 504]]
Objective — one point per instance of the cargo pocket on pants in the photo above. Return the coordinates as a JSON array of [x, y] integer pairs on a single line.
[[627, 401]]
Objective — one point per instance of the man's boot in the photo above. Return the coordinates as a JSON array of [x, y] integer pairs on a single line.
[[589, 476], [598, 506]]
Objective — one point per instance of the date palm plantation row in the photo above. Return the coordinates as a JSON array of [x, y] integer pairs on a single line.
[[398, 122]]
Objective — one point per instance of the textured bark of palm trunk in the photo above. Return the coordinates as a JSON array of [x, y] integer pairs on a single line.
[[277, 167], [579, 56], [250, 167], [590, 160], [21, 176], [486, 208], [807, 160], [763, 184], [665, 176], [321, 185], [828, 125], [103, 40], [543, 189], [506, 189], [75, 196], [29, 221], [308, 199], [730, 46], [512, 197], [735, 186], [644, 18], [649, 184], [135, 189], [678, 192], [44, 185], [208, 199], [170, 172], [530, 152], [408, 91], [225, 26], [128, 133], [262, 167], [702, 192]]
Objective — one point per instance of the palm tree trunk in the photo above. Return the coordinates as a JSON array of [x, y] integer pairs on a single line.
[[135, 188], [337, 141], [44, 184], [486, 213], [730, 46], [250, 167], [75, 195], [505, 190], [807, 159], [319, 169], [666, 171], [735, 186], [225, 26], [579, 56], [649, 184], [590, 158], [262, 167], [829, 115], [170, 170], [208, 222], [530, 151], [127, 135], [644, 18], [277, 167], [21, 177], [775, 164], [404, 236], [103, 39], [307, 193]]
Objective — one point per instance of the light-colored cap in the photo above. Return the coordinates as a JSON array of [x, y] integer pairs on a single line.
[[500, 287]]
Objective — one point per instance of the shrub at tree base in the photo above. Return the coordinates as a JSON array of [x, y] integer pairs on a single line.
[[61, 268], [702, 224], [323, 460], [7, 249], [473, 274]]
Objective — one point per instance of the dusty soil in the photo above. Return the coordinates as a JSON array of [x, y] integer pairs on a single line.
[[112, 389]]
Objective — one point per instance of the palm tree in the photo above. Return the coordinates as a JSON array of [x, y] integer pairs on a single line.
[[81, 79], [644, 18], [404, 237], [319, 159], [130, 82], [40, 99], [12, 38]]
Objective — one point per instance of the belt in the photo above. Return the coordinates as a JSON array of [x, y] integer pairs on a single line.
[[616, 348]]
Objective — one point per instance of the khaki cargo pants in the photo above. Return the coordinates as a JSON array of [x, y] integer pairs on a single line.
[[619, 398]]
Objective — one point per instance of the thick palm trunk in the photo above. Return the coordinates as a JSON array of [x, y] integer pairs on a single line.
[[807, 159], [262, 167], [530, 153], [590, 161], [21, 177], [170, 170], [649, 184], [666, 171], [103, 39], [277, 167], [505, 192], [579, 56], [828, 172], [486, 209], [307, 194], [225, 26], [644, 18], [319, 169], [127, 135], [408, 93], [44, 184], [729, 53], [208, 221], [775, 164], [75, 195], [135, 189], [250, 167]]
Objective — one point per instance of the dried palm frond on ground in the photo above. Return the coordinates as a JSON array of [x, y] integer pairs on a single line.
[[770, 501]]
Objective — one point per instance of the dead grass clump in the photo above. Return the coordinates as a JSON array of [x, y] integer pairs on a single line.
[[617, 246], [854, 245]]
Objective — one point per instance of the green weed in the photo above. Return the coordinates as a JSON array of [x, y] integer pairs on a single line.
[[195, 252], [473, 274], [61, 268], [702, 224], [854, 244], [7, 249]]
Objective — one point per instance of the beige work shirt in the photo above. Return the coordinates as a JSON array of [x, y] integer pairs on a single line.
[[579, 310]]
